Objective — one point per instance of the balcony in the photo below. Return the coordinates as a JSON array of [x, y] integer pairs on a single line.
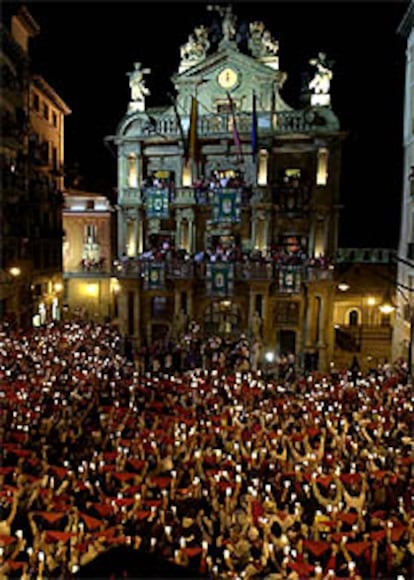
[[287, 278], [221, 125], [365, 256]]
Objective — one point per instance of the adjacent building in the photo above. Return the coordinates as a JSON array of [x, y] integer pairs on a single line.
[[228, 198], [89, 288], [404, 321], [32, 182], [364, 311]]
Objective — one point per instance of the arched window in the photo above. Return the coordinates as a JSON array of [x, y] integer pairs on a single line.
[[353, 318]]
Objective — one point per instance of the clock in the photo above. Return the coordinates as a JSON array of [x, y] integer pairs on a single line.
[[227, 78]]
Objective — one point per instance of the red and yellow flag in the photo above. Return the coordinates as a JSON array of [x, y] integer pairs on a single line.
[[192, 149]]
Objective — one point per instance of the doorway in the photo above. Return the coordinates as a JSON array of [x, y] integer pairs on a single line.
[[287, 341]]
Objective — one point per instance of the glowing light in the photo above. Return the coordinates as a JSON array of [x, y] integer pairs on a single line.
[[92, 290], [15, 271]]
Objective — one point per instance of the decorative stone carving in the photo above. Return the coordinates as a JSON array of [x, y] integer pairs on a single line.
[[260, 41], [195, 49], [321, 82], [228, 23], [138, 89]]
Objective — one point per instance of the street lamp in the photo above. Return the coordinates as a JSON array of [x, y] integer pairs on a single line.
[[343, 286], [15, 271], [387, 307]]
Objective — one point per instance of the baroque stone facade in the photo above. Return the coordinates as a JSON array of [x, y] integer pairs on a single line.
[[228, 201]]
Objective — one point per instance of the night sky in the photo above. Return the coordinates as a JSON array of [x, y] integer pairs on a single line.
[[85, 49]]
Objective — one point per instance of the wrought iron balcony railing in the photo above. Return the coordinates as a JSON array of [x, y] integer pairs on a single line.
[[243, 271], [220, 124]]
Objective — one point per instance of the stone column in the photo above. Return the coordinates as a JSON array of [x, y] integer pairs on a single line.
[[191, 235], [140, 232], [323, 363], [123, 310], [137, 321], [252, 300], [121, 232]]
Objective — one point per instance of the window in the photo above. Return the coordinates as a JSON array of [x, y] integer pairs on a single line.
[[36, 102], [46, 111], [90, 233], [224, 107], [54, 158], [291, 174], [54, 119], [353, 318], [159, 307]]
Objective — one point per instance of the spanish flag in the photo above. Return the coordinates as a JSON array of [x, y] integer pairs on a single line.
[[192, 149]]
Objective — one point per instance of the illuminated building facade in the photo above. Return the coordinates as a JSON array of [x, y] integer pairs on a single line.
[[44, 221], [32, 183], [228, 199], [87, 255], [404, 326]]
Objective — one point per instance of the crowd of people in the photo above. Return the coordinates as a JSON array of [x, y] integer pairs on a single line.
[[226, 473]]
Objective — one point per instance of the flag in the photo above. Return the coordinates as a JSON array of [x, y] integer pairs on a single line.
[[236, 136], [192, 152], [254, 128]]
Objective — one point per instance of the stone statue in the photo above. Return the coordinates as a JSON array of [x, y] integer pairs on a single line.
[[321, 82], [228, 23], [195, 49], [260, 41], [138, 89], [256, 325], [256, 30], [269, 44]]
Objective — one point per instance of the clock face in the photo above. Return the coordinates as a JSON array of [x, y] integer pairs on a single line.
[[228, 78]]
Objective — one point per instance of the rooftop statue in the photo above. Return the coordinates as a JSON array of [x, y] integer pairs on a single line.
[[321, 82], [260, 41], [228, 23], [195, 49], [138, 89]]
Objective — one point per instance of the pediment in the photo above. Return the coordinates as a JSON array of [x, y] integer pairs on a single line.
[[229, 71]]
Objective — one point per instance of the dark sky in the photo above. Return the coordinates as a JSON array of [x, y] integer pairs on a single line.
[[85, 50]]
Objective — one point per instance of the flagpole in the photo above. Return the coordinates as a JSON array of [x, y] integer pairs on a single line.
[[254, 128], [236, 136]]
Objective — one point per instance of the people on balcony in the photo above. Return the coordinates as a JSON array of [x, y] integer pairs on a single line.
[[92, 265]]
